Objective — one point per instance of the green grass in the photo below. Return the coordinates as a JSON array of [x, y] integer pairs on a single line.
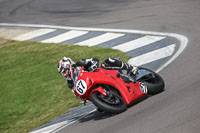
[[31, 90]]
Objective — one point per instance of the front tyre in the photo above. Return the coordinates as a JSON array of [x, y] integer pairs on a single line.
[[112, 103]]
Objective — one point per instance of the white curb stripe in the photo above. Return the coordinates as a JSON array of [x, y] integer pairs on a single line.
[[140, 42], [84, 115], [33, 34], [152, 56], [51, 128], [65, 36], [183, 39], [100, 39], [58, 126]]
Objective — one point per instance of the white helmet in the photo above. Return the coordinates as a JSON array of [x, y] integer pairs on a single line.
[[65, 67]]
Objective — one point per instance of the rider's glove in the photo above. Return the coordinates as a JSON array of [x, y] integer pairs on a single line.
[[93, 67], [92, 64]]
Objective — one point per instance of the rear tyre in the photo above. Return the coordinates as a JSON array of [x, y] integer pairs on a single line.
[[115, 104], [155, 84]]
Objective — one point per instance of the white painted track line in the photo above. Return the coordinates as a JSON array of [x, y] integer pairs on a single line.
[[152, 56], [65, 36], [33, 34], [100, 39], [140, 42]]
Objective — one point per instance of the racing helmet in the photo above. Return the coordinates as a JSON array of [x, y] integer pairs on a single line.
[[66, 67]]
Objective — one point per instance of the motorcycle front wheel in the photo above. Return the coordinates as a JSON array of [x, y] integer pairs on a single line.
[[112, 103]]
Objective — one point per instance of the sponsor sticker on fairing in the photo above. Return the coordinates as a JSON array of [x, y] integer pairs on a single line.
[[143, 87]]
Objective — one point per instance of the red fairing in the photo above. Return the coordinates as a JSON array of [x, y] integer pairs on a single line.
[[87, 81]]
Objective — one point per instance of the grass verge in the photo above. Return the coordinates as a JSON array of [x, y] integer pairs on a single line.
[[31, 90]]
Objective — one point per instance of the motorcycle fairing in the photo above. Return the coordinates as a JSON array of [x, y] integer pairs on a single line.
[[128, 91]]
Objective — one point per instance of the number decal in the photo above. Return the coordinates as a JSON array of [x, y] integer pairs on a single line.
[[81, 87]]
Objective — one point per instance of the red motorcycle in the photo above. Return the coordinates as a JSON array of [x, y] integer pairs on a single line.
[[111, 90]]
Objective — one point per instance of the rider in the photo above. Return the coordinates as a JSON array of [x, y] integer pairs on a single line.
[[69, 69]]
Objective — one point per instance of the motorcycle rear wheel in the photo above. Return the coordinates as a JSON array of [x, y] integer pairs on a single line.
[[155, 84], [111, 106]]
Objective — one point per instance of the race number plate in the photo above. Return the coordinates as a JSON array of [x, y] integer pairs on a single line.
[[81, 87]]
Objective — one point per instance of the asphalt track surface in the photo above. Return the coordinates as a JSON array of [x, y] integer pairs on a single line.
[[175, 110]]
